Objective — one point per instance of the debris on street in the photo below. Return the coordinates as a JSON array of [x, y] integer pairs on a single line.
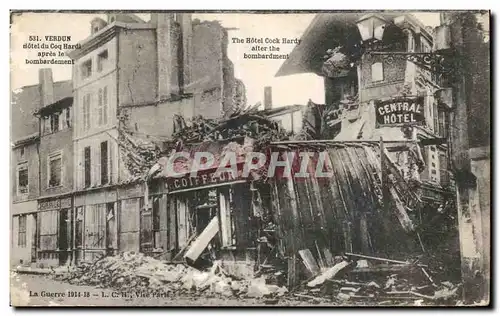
[[351, 282], [137, 272]]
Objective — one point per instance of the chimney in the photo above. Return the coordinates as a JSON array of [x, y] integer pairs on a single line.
[[46, 84], [96, 25], [268, 97], [163, 22]]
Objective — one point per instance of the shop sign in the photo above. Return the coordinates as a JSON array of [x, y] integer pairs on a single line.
[[202, 179], [400, 111], [54, 204]]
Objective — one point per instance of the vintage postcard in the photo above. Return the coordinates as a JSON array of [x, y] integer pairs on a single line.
[[260, 158]]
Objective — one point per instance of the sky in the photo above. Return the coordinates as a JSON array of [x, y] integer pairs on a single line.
[[256, 74]]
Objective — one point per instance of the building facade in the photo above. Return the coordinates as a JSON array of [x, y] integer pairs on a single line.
[[28, 166], [453, 106], [131, 78], [55, 203], [352, 94]]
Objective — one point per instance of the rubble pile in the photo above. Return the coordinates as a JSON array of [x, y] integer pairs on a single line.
[[139, 155], [247, 122], [132, 271], [352, 282]]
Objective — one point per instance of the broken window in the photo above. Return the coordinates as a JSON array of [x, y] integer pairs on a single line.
[[55, 170], [21, 235], [22, 179]]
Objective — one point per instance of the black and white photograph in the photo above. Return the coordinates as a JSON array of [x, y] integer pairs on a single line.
[[250, 158]]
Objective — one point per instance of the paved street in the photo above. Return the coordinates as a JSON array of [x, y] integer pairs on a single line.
[[25, 287]]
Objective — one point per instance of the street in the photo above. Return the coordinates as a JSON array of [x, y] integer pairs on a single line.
[[39, 290]]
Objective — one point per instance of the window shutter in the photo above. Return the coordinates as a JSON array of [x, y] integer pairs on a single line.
[[105, 105], [99, 109]]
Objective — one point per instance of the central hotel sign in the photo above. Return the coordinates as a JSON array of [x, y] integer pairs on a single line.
[[400, 111]]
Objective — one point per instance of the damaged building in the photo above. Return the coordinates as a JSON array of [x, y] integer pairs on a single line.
[[130, 81], [145, 92]]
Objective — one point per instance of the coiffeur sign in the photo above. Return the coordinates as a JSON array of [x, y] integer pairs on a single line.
[[400, 111], [204, 178]]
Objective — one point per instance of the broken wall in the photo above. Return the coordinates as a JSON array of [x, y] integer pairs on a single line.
[[341, 213]]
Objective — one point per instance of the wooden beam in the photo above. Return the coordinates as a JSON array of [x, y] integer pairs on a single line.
[[309, 261], [202, 241]]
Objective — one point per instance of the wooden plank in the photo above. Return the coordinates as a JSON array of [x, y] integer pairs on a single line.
[[225, 219], [365, 246], [292, 272], [400, 211], [182, 227], [328, 274], [309, 261], [202, 241], [172, 223]]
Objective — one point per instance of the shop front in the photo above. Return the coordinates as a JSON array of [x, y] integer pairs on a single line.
[[217, 207], [24, 232], [95, 224], [209, 213], [55, 231]]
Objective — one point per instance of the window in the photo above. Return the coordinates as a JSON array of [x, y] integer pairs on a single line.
[[102, 58], [86, 112], [377, 72], [424, 176], [95, 226], [442, 123], [426, 48], [435, 116], [21, 234], [22, 155], [105, 104], [54, 122], [86, 158], [86, 69], [104, 163], [68, 117], [55, 170], [102, 106], [48, 221], [411, 43], [22, 179], [443, 168]]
